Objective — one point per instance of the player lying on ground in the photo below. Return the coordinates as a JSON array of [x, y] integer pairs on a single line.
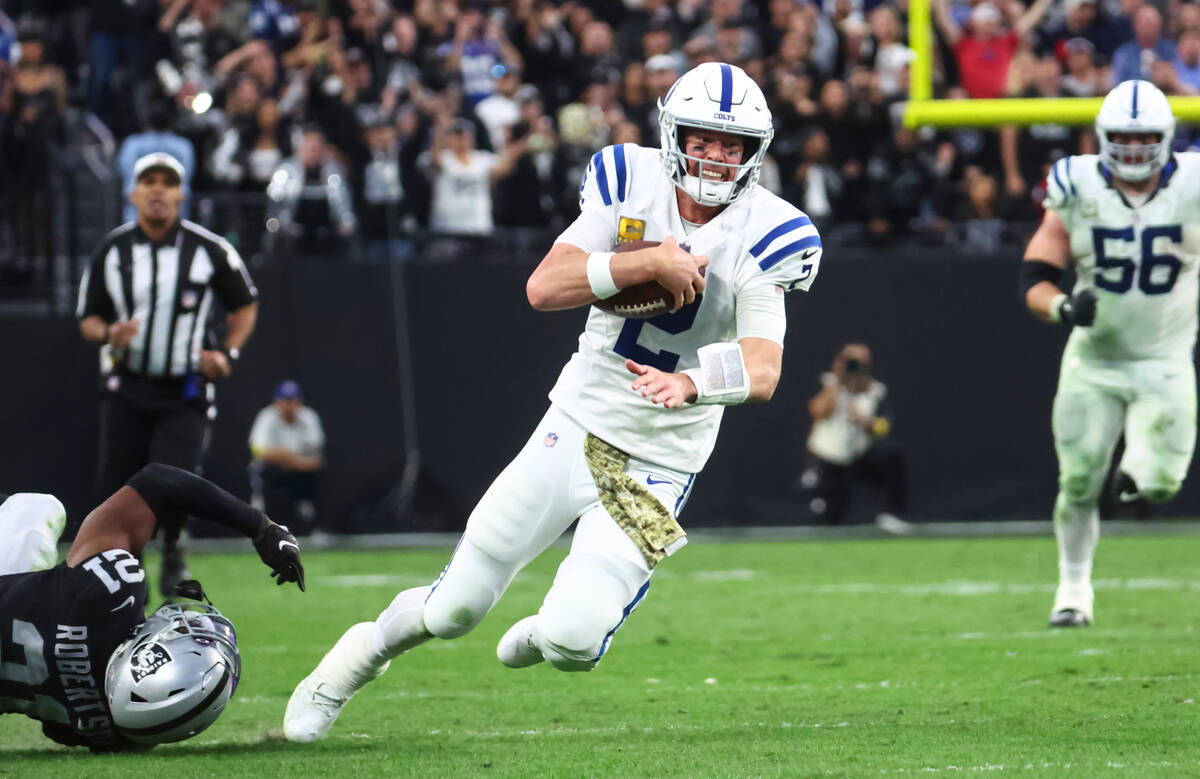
[[635, 412], [1126, 219], [88, 665]]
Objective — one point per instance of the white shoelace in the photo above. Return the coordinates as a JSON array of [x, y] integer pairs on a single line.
[[329, 704]]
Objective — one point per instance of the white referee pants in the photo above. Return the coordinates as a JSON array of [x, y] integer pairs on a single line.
[[30, 525], [527, 507]]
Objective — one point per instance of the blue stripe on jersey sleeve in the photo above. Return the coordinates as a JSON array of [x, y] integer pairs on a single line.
[[1057, 178], [786, 227], [601, 177], [775, 257], [1070, 181], [619, 157]]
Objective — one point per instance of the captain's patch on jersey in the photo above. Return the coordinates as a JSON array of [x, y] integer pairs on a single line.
[[147, 659], [630, 230]]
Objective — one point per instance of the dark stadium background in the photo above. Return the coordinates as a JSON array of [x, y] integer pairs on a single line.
[[931, 288]]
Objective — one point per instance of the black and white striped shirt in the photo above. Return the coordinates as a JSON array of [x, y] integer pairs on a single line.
[[168, 286]]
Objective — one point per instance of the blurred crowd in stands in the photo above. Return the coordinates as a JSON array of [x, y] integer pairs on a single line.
[[365, 120]]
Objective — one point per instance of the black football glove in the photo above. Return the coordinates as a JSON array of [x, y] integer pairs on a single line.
[[279, 550], [1078, 310]]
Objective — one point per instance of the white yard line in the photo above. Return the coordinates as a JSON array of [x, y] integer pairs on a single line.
[[1087, 770], [969, 588]]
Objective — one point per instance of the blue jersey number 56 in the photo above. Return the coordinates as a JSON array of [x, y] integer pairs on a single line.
[[1147, 282]]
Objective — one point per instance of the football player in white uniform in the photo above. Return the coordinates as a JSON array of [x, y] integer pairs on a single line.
[[1126, 218], [635, 412]]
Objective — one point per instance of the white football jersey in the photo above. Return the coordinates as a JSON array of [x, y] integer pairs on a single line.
[[1142, 260], [758, 242]]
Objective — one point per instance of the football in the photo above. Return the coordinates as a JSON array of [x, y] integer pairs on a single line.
[[641, 301]]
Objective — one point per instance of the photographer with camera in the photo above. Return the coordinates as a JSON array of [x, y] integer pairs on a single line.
[[847, 444]]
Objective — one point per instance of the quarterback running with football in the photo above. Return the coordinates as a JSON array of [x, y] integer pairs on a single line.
[[1126, 219], [87, 663], [634, 414]]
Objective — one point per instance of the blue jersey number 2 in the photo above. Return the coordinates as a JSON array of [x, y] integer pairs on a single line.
[[1146, 281], [680, 321]]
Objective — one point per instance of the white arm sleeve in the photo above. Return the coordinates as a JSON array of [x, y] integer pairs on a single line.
[[761, 312]]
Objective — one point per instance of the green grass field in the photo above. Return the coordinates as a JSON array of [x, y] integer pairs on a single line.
[[842, 658]]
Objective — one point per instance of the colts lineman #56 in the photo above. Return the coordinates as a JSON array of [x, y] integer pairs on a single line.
[[634, 414], [1126, 218]]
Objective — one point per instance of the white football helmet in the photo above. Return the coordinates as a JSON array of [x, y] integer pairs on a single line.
[[172, 677], [1135, 107], [714, 96]]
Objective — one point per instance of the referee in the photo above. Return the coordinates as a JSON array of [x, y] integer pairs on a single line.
[[146, 296]]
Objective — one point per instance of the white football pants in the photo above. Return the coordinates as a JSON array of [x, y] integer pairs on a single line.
[[30, 525], [527, 507], [1154, 403]]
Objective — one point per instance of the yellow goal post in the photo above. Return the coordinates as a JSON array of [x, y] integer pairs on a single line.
[[922, 110]]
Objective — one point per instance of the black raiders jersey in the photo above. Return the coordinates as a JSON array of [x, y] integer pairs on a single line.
[[58, 629]]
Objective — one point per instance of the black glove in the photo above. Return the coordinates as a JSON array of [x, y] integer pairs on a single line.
[[1078, 310], [279, 550]]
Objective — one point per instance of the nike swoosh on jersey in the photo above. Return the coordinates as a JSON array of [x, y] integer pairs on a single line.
[[282, 544], [808, 253], [652, 480], [127, 602]]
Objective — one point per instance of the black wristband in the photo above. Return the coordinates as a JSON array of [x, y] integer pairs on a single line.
[[171, 491], [1034, 272], [232, 353]]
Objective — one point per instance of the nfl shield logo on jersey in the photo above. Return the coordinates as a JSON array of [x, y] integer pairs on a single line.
[[551, 439], [147, 659]]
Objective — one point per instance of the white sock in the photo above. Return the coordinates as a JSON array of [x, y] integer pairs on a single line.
[[1077, 529], [401, 626], [520, 646], [364, 651], [354, 660]]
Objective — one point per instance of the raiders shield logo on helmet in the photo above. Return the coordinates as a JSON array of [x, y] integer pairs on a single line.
[[147, 659]]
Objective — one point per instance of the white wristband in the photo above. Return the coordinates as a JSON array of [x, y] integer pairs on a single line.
[[722, 378], [1056, 305], [600, 275]]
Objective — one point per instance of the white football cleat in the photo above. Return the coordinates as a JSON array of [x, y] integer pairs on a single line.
[[518, 647], [1072, 606], [319, 699], [312, 710]]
